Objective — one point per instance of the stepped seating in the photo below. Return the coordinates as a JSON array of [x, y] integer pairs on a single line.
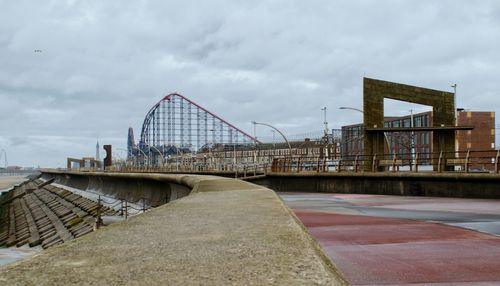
[[46, 215], [83, 203]]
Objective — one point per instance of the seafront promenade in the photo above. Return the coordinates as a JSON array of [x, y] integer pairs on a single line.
[[211, 230], [225, 231], [400, 240]]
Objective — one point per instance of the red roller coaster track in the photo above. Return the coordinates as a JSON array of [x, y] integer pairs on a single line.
[[178, 121]]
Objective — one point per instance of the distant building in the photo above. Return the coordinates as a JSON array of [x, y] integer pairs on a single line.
[[352, 141], [13, 168], [481, 138], [130, 143], [406, 143], [265, 152], [97, 153], [400, 143]]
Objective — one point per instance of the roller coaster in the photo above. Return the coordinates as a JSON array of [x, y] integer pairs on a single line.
[[176, 125]]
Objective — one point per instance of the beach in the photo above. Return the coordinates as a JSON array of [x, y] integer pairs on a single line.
[[8, 181], [9, 255]]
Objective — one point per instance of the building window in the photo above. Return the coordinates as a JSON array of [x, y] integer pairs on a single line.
[[407, 123], [418, 121]]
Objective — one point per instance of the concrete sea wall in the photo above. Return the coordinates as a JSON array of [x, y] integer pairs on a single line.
[[224, 232], [409, 184], [153, 190]]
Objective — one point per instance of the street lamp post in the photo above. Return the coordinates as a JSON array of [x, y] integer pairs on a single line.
[[326, 124], [178, 154], [359, 110], [162, 157], [277, 130], [234, 154], [127, 152], [210, 146], [121, 161], [412, 141], [455, 101], [235, 139], [177, 159], [117, 156], [455, 113], [145, 156], [351, 108]]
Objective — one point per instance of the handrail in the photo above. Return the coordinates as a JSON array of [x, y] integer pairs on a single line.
[[456, 161]]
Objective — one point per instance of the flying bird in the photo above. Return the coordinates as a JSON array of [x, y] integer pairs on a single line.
[[38, 51]]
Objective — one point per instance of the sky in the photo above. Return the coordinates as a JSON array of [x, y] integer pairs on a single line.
[[74, 72]]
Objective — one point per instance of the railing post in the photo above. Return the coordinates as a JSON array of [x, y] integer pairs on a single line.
[[394, 158], [439, 161], [98, 220], [496, 161], [467, 161], [121, 208], [126, 209], [416, 162], [356, 163]]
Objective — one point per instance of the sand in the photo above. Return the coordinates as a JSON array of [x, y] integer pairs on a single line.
[[9, 181]]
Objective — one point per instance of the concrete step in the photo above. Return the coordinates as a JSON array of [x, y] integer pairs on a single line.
[[46, 216]]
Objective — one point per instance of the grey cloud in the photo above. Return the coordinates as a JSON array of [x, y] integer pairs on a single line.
[[105, 63], [18, 141]]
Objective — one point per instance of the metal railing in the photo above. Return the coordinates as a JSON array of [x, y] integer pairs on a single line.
[[238, 169], [125, 207], [460, 161]]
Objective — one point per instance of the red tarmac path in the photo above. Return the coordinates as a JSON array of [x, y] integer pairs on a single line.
[[372, 250]]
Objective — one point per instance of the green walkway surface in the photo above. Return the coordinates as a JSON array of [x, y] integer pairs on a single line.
[[226, 232]]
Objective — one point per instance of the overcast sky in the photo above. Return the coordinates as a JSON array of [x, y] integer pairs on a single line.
[[103, 64]]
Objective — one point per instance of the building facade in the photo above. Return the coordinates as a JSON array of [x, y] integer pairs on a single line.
[[480, 141], [408, 144], [404, 145]]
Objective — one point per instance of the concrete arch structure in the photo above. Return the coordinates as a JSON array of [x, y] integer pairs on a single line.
[[443, 108]]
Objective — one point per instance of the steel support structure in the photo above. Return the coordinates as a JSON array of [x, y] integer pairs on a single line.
[[177, 123]]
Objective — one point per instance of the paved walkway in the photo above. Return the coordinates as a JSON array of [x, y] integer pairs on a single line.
[[227, 232], [387, 240]]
